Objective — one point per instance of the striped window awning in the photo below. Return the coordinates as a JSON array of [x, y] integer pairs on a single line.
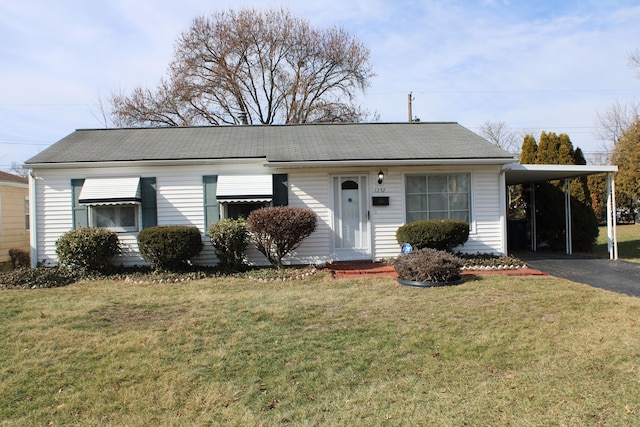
[[244, 188], [110, 191]]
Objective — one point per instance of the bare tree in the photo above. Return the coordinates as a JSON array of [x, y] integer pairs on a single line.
[[269, 66], [614, 121], [18, 169], [499, 134], [101, 113], [634, 60]]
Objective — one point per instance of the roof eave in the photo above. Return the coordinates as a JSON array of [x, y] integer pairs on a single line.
[[389, 162], [130, 163]]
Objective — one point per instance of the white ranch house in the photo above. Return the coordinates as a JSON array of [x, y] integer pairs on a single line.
[[362, 180]]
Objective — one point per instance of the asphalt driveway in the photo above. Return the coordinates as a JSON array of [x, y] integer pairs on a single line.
[[617, 276]]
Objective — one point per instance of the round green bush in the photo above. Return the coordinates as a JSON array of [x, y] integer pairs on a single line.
[[89, 248], [428, 265], [169, 247], [441, 234], [230, 239]]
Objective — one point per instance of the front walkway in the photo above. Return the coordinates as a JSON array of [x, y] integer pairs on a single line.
[[617, 276]]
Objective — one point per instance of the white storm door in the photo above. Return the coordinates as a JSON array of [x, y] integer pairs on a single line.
[[351, 236]]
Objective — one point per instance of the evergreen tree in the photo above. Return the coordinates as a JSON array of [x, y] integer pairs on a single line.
[[580, 186], [555, 150], [565, 150], [548, 149], [598, 192], [626, 154], [529, 151]]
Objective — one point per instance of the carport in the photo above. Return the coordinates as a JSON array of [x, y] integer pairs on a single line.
[[530, 174]]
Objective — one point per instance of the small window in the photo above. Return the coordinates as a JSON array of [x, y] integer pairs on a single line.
[[117, 217], [241, 210], [26, 214]]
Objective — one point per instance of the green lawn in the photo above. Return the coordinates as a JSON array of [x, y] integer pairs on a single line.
[[628, 242], [492, 351]]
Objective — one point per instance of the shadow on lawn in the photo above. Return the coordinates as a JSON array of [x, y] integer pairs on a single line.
[[629, 250]]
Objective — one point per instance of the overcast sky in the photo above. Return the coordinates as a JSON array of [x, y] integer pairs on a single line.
[[534, 65]]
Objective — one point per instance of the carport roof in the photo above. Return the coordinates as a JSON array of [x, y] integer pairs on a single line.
[[524, 174]]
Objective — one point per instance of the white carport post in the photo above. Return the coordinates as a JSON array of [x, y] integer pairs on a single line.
[[567, 216], [612, 237], [534, 225]]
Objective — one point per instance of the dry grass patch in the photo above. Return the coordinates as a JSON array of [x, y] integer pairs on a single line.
[[492, 351]]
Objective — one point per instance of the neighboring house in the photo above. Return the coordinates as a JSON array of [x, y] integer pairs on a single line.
[[362, 180], [14, 215]]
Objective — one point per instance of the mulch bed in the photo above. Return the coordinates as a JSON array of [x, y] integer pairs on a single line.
[[379, 269]]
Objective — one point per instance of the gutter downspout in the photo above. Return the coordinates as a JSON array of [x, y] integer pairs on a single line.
[[504, 209], [33, 230]]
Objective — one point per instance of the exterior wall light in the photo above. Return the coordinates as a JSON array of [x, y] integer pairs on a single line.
[[380, 176]]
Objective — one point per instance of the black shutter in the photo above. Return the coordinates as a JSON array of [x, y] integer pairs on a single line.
[[79, 213], [211, 209], [149, 202], [280, 189]]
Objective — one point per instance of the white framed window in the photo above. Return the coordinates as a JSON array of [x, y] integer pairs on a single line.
[[119, 218], [26, 214], [239, 195], [438, 196], [236, 210]]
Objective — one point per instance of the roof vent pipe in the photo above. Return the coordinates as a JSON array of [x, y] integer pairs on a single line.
[[243, 118]]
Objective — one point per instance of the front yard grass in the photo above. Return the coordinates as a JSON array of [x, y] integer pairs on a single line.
[[628, 242], [228, 351]]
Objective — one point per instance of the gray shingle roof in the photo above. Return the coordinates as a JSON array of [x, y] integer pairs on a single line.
[[276, 143]]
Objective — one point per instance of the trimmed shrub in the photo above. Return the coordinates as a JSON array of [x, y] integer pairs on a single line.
[[279, 230], [169, 247], [89, 248], [19, 258], [441, 234], [428, 265], [230, 239]]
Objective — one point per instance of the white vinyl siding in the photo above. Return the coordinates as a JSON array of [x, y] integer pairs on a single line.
[[487, 207], [180, 201], [488, 213], [385, 220], [310, 189]]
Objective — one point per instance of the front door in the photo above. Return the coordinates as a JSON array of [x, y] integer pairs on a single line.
[[350, 218]]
